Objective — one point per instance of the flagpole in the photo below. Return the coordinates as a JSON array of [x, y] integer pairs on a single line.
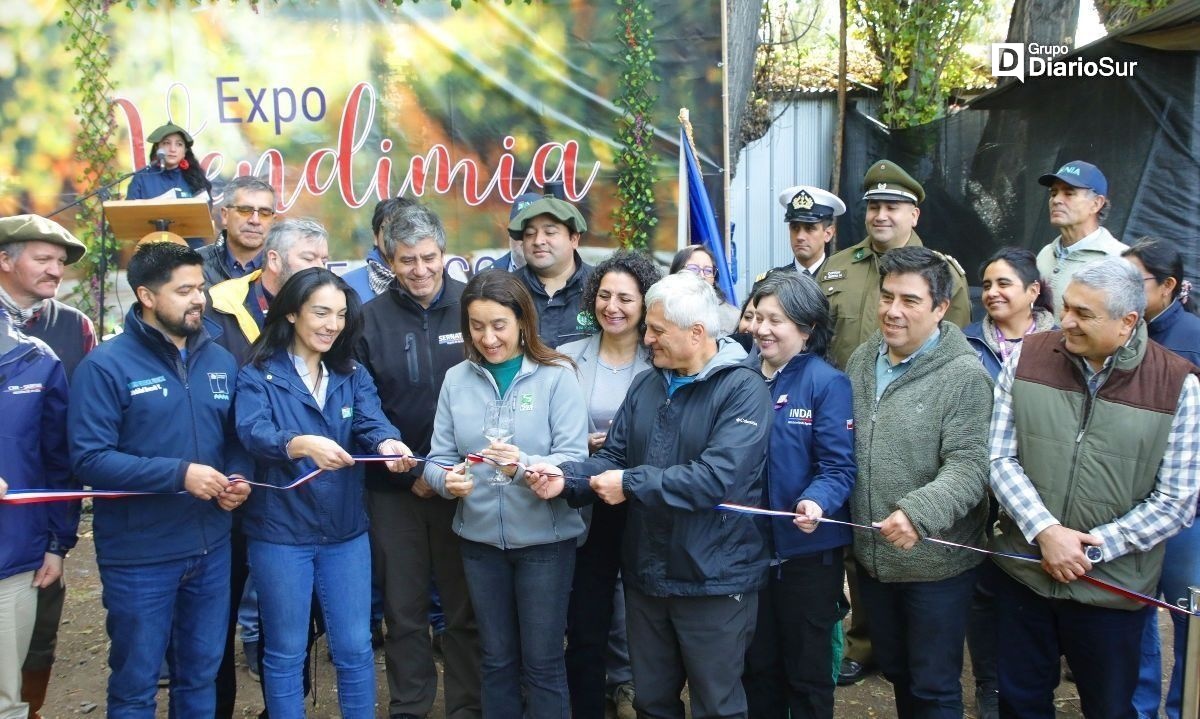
[[683, 229]]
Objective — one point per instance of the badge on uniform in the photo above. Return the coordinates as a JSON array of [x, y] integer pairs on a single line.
[[833, 275], [347, 412], [859, 254]]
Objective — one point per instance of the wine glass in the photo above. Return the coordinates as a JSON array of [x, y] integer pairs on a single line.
[[499, 422]]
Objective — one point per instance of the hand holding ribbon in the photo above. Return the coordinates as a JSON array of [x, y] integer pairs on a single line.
[[546, 480], [324, 452], [504, 457], [1063, 552], [809, 515], [395, 447], [204, 482], [235, 494], [459, 481], [898, 530]]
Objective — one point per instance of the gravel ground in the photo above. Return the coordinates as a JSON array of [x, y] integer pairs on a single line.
[[80, 675]]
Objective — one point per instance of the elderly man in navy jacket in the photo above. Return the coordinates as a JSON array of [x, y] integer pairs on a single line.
[[152, 412], [691, 434]]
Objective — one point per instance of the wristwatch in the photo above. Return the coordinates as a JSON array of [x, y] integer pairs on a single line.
[[1094, 554]]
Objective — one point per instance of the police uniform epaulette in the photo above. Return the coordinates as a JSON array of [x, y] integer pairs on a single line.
[[952, 262], [762, 276]]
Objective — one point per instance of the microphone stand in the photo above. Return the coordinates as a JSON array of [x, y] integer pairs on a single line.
[[102, 267]]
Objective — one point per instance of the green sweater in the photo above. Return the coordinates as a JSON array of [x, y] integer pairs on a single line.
[[923, 449]]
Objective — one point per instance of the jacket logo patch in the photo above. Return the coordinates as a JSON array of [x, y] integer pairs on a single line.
[[800, 415], [29, 388], [218, 382], [143, 386], [781, 402], [743, 420], [526, 403], [347, 412], [850, 424], [453, 338]]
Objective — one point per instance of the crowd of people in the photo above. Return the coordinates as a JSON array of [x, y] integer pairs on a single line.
[[522, 472]]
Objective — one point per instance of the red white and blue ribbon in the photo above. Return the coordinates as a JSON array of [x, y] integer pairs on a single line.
[[37, 496], [1094, 581]]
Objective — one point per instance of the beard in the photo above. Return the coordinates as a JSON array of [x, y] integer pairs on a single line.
[[181, 326]]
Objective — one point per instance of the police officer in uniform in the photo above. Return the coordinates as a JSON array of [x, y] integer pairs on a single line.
[[809, 212], [850, 280], [851, 277]]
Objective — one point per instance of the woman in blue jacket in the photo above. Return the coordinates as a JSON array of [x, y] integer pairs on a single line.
[[810, 471], [179, 170], [518, 550], [1017, 302], [1170, 322], [302, 404]]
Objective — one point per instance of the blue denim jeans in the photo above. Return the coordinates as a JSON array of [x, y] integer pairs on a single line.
[[520, 600], [184, 602], [917, 631], [1181, 569], [285, 576]]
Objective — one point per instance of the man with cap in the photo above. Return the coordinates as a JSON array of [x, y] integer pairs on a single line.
[[34, 252], [851, 282], [851, 277], [809, 212], [247, 211], [514, 259], [549, 231], [1078, 204]]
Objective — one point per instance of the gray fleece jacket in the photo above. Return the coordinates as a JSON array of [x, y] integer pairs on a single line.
[[922, 448], [551, 427]]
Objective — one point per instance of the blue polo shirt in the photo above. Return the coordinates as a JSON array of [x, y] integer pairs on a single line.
[[887, 373]]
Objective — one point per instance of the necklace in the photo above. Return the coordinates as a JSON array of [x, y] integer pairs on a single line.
[[615, 370]]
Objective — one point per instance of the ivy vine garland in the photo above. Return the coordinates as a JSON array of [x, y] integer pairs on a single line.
[[634, 216]]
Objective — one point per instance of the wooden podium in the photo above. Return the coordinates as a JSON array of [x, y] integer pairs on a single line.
[[132, 220]]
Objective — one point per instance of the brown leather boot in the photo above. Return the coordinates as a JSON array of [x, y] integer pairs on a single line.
[[33, 690]]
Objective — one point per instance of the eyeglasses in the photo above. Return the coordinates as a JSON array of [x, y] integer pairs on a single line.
[[264, 213], [703, 271]]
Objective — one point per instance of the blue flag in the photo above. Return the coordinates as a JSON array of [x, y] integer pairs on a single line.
[[702, 221]]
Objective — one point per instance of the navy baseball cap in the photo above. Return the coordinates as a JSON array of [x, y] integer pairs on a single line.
[[1078, 173]]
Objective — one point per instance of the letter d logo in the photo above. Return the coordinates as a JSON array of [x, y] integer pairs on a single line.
[[1008, 60]]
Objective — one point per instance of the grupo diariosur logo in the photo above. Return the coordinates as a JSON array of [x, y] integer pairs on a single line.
[[1021, 60]]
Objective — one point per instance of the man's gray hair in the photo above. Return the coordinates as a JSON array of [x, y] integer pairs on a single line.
[[687, 300], [409, 225], [13, 249], [283, 235], [244, 183], [1119, 280]]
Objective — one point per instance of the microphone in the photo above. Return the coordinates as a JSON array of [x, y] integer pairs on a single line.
[[161, 160]]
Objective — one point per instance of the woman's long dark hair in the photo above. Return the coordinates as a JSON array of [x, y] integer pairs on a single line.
[[193, 175], [278, 333], [681, 259], [504, 288], [1162, 260], [1024, 263]]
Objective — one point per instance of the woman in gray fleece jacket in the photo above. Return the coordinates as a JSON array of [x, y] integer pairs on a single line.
[[518, 550]]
